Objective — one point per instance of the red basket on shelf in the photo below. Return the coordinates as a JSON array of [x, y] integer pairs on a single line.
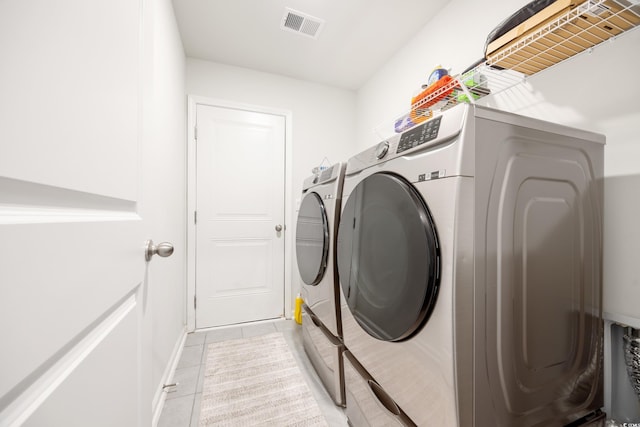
[[433, 93]]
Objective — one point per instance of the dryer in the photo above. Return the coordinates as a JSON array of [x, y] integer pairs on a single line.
[[318, 217], [470, 264]]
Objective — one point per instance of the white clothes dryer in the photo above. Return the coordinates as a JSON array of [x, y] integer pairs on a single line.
[[317, 222], [469, 258]]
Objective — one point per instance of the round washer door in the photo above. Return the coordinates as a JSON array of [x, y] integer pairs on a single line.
[[312, 239], [388, 257]]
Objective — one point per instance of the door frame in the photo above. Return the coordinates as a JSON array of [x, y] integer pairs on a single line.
[[193, 102]]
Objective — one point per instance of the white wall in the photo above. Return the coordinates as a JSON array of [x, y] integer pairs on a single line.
[[164, 170], [323, 117], [595, 91]]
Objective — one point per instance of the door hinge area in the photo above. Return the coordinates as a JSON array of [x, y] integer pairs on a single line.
[[195, 217], [195, 302], [195, 133]]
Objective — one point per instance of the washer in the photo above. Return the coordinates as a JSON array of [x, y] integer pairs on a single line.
[[318, 217], [469, 256]]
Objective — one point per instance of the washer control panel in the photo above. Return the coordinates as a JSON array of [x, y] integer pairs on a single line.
[[419, 135]]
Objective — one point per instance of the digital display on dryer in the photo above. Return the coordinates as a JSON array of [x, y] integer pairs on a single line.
[[419, 135]]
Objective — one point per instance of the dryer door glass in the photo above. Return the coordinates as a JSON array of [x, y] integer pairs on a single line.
[[312, 239], [388, 257]]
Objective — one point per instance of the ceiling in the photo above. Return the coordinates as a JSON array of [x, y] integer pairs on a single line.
[[356, 39]]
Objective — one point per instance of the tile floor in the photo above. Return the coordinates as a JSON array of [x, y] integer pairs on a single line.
[[182, 406]]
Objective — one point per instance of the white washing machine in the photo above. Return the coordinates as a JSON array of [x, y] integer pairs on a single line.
[[318, 217], [469, 256]]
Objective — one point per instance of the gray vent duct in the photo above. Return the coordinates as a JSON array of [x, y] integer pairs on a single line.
[[632, 357]]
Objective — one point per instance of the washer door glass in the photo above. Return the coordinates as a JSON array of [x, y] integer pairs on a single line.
[[388, 257], [312, 239]]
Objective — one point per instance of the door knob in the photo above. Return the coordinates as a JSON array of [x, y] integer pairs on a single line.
[[278, 228], [163, 249]]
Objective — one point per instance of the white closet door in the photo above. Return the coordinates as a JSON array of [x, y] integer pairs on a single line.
[[240, 208]]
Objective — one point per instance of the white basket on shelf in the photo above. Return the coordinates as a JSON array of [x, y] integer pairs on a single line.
[[468, 87]]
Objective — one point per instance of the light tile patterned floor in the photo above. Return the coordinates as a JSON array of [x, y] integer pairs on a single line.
[[182, 407]]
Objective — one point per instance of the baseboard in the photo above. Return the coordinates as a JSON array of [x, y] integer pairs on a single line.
[[167, 378]]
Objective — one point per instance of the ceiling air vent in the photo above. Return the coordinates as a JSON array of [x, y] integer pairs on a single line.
[[301, 23]]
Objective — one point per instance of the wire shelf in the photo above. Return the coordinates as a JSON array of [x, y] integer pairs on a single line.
[[556, 39], [566, 35]]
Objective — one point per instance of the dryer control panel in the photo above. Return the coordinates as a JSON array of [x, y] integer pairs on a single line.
[[423, 137], [419, 135]]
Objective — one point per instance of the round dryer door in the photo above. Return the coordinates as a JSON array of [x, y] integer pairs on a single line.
[[312, 239], [388, 257]]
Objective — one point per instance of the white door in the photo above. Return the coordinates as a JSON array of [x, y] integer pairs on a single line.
[[72, 267], [240, 181]]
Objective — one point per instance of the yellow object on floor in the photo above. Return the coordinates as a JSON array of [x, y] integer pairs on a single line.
[[297, 313]]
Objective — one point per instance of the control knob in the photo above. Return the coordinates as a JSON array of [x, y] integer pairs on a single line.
[[382, 149]]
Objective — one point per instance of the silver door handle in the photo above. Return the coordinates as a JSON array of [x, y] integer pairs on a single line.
[[278, 228], [163, 249]]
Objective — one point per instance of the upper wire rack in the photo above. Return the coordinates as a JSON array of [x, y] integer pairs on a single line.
[[557, 39]]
